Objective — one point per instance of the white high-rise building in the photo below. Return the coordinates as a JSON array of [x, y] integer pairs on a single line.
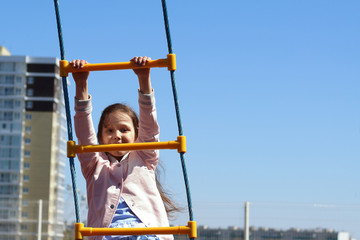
[[32, 148]]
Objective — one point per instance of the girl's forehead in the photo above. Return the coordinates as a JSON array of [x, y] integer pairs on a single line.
[[117, 117]]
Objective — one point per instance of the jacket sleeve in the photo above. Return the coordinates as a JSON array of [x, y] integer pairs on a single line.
[[148, 128], [85, 134]]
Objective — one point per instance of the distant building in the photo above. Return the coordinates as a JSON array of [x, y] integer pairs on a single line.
[[297, 234], [233, 233], [32, 147]]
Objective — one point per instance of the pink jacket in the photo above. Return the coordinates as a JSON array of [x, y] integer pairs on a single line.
[[133, 178]]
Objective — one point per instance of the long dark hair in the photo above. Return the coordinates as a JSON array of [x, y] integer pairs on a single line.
[[168, 202]]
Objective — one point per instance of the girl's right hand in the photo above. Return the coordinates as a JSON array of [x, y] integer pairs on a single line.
[[79, 76]]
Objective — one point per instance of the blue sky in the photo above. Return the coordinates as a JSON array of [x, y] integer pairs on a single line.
[[269, 95]]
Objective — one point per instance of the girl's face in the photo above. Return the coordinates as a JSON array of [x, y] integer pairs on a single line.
[[118, 127]]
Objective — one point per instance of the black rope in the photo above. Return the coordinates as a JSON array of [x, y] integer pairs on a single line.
[[67, 109], [178, 117]]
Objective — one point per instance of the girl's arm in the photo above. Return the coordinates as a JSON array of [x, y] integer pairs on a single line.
[[84, 127], [80, 79], [143, 74], [148, 125]]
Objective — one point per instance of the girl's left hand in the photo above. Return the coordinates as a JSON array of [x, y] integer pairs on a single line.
[[141, 61], [79, 76]]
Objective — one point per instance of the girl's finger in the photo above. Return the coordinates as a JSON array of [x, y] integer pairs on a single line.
[[77, 63], [141, 61], [135, 60], [82, 63]]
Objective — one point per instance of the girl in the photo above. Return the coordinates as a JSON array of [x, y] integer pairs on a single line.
[[121, 185]]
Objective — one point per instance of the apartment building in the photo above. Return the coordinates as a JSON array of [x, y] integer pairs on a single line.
[[32, 148], [234, 233]]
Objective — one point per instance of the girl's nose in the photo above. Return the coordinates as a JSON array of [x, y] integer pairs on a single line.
[[118, 135]]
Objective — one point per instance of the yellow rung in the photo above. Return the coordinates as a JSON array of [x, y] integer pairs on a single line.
[[81, 231], [169, 62], [73, 149]]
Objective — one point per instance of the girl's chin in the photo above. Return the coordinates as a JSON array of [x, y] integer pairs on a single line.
[[118, 155]]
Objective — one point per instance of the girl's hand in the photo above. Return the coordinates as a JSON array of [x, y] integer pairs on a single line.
[[143, 74], [79, 76], [141, 61]]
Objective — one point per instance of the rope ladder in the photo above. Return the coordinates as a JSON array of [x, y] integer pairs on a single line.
[[72, 149]]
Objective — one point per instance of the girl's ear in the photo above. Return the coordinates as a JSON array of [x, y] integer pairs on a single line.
[[136, 136]]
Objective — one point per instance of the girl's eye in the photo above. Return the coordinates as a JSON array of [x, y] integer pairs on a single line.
[[124, 130], [110, 130]]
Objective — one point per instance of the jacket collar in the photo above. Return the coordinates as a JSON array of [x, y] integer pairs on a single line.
[[112, 159]]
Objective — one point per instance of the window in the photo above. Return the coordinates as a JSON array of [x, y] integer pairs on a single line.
[[30, 80], [25, 190], [17, 116], [15, 153], [27, 140], [17, 104], [12, 213], [18, 91], [6, 116], [29, 92], [14, 165], [6, 103], [16, 127], [6, 66], [23, 227], [14, 177], [5, 152], [9, 79], [16, 140], [4, 140], [28, 129], [28, 116], [7, 91], [26, 165], [4, 214], [25, 203], [27, 153], [4, 177], [29, 105], [26, 178], [24, 214], [18, 79]]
